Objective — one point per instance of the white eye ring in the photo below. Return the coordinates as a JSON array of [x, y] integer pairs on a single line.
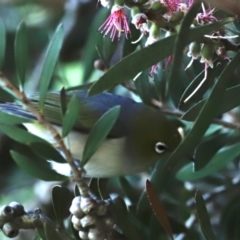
[[160, 147]]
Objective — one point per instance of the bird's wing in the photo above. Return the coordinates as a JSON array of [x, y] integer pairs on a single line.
[[91, 109]]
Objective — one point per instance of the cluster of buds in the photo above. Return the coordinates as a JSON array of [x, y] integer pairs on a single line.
[[153, 18], [8, 213], [91, 218]]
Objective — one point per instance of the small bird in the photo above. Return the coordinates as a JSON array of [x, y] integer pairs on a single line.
[[141, 135]]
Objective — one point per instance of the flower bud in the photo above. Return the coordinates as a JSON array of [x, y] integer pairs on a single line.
[[83, 235], [87, 205], [194, 50], [159, 7], [88, 220], [95, 234], [10, 229], [207, 54], [18, 208]]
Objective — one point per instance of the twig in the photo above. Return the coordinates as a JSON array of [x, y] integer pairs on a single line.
[[20, 95]]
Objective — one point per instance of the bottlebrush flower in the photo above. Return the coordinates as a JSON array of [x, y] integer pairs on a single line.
[[116, 23]]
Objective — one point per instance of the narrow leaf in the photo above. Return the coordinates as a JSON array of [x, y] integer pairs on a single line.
[[220, 160], [47, 151], [19, 135], [21, 45], [61, 200], [158, 208], [2, 42], [204, 119], [49, 64], [71, 115], [203, 217], [146, 57], [39, 169], [230, 100], [52, 233], [12, 119], [181, 42], [99, 132]]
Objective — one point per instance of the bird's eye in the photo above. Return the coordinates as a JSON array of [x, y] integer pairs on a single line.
[[160, 147]]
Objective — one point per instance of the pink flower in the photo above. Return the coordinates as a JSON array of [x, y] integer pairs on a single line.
[[116, 23], [206, 16]]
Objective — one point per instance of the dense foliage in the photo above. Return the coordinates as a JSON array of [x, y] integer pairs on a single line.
[[179, 57]]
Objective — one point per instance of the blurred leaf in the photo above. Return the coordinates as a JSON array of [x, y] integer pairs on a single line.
[[102, 188], [71, 115], [21, 52], [211, 76], [146, 57], [119, 209], [52, 233], [36, 168], [230, 100], [61, 200], [143, 87], [19, 135], [180, 43], [220, 160], [99, 132], [37, 237], [41, 234], [158, 208], [206, 150], [76, 191], [2, 42], [12, 119], [203, 217], [63, 100], [128, 190], [229, 219], [95, 39], [47, 151], [49, 64]]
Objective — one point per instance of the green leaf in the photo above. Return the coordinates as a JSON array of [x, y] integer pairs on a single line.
[[119, 209], [47, 151], [128, 189], [41, 234], [230, 100], [207, 149], [19, 135], [181, 42], [146, 57], [99, 132], [52, 233], [49, 64], [61, 200], [158, 208], [220, 160], [2, 42], [21, 57], [95, 39], [71, 115], [144, 87], [12, 119], [37, 168], [204, 119], [203, 217]]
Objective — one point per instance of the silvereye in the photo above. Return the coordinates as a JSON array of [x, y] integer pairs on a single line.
[[141, 135]]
